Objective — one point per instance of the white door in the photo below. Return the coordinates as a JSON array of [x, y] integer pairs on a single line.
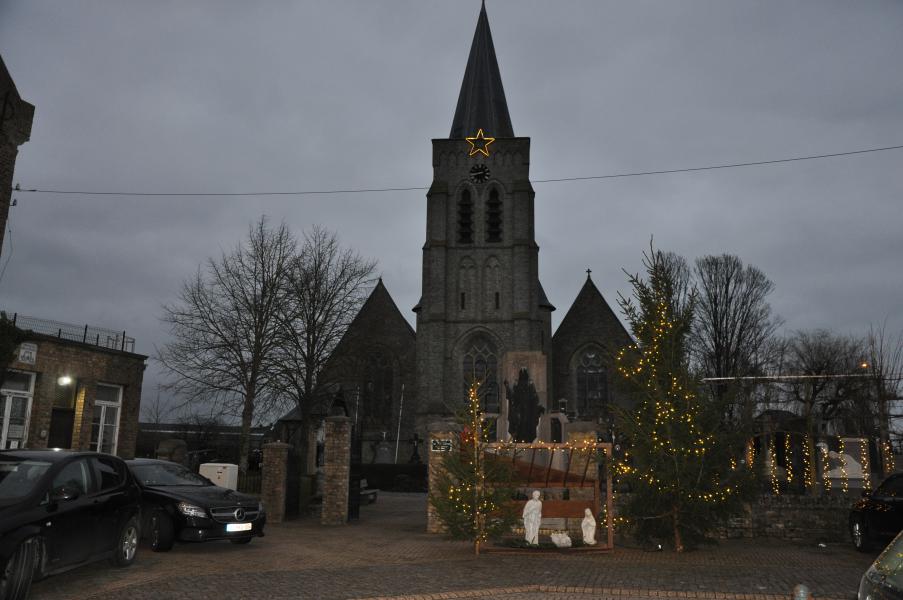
[[15, 411]]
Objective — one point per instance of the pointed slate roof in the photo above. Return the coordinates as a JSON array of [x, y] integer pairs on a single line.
[[543, 299], [481, 103], [379, 307], [590, 315]]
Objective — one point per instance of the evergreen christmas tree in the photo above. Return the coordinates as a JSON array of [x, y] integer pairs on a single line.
[[473, 501], [680, 464]]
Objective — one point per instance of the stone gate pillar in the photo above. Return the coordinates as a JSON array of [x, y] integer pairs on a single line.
[[444, 438], [336, 471], [274, 472]]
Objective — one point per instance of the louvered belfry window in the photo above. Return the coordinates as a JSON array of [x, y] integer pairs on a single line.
[[465, 218], [494, 217]]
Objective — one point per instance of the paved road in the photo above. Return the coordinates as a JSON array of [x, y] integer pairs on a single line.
[[387, 554]]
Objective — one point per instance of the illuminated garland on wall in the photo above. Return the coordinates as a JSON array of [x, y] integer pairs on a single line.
[[825, 464], [866, 467], [788, 459], [844, 481], [808, 467], [888, 457], [773, 460], [750, 453]]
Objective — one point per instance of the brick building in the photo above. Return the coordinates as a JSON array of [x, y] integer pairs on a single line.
[[483, 315], [75, 387]]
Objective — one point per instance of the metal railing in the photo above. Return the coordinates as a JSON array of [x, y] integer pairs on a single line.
[[96, 336], [250, 482]]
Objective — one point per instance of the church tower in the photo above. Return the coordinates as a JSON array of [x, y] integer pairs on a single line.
[[483, 314]]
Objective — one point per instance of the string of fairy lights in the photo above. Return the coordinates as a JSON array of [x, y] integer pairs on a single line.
[[671, 404], [829, 476], [781, 474], [674, 406]]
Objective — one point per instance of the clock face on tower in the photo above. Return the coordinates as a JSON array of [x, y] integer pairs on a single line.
[[479, 173]]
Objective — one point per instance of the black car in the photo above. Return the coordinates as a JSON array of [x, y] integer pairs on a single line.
[[179, 504], [878, 515], [61, 509], [884, 578]]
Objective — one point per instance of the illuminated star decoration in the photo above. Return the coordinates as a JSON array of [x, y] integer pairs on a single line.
[[479, 143]]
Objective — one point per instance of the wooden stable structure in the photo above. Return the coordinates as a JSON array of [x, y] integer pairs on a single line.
[[580, 471]]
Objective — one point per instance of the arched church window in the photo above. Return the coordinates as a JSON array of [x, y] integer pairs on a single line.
[[592, 384], [494, 217], [481, 365], [465, 218], [492, 284], [376, 393], [467, 282]]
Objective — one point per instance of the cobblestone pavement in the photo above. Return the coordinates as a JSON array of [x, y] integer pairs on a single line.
[[387, 554]]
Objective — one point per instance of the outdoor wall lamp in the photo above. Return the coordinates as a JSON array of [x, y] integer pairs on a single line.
[[64, 380]]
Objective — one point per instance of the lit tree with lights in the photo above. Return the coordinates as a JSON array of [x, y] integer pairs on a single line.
[[474, 495], [680, 463]]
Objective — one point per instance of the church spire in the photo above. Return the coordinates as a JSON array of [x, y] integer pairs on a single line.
[[481, 103]]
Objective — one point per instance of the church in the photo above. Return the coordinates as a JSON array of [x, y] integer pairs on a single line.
[[483, 315]]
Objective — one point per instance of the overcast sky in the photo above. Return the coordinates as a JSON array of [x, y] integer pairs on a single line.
[[283, 96]]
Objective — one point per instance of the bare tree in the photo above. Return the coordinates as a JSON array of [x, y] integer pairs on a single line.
[[326, 286], [225, 328], [733, 323], [157, 410], [825, 391], [885, 364]]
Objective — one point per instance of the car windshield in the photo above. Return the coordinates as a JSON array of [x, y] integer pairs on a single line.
[[890, 563], [163, 474], [18, 478]]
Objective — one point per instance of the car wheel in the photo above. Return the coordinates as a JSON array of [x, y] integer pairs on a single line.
[[126, 544], [17, 574], [859, 533], [162, 533], [241, 540]]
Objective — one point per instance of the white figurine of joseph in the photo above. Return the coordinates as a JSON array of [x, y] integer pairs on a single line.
[[589, 528], [532, 518]]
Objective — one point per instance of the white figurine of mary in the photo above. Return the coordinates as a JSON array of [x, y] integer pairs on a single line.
[[589, 528], [532, 518]]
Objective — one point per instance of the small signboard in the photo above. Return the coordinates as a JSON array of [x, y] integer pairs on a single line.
[[28, 353], [16, 431], [441, 445]]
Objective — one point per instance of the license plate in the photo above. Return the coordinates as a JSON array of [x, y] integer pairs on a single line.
[[238, 526]]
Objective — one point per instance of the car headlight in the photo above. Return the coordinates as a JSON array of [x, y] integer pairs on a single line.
[[190, 510]]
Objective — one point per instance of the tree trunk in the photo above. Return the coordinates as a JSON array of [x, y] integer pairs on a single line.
[[244, 437], [812, 468], [678, 541], [817, 488]]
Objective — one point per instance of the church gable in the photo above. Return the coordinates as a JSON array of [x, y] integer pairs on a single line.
[[374, 360], [583, 349], [378, 319]]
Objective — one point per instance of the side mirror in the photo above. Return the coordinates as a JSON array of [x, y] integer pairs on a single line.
[[64, 493]]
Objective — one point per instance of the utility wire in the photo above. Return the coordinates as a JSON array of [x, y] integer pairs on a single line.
[[798, 377], [409, 189]]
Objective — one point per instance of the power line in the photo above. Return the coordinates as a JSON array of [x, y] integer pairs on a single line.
[[415, 188], [799, 377], [727, 166]]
